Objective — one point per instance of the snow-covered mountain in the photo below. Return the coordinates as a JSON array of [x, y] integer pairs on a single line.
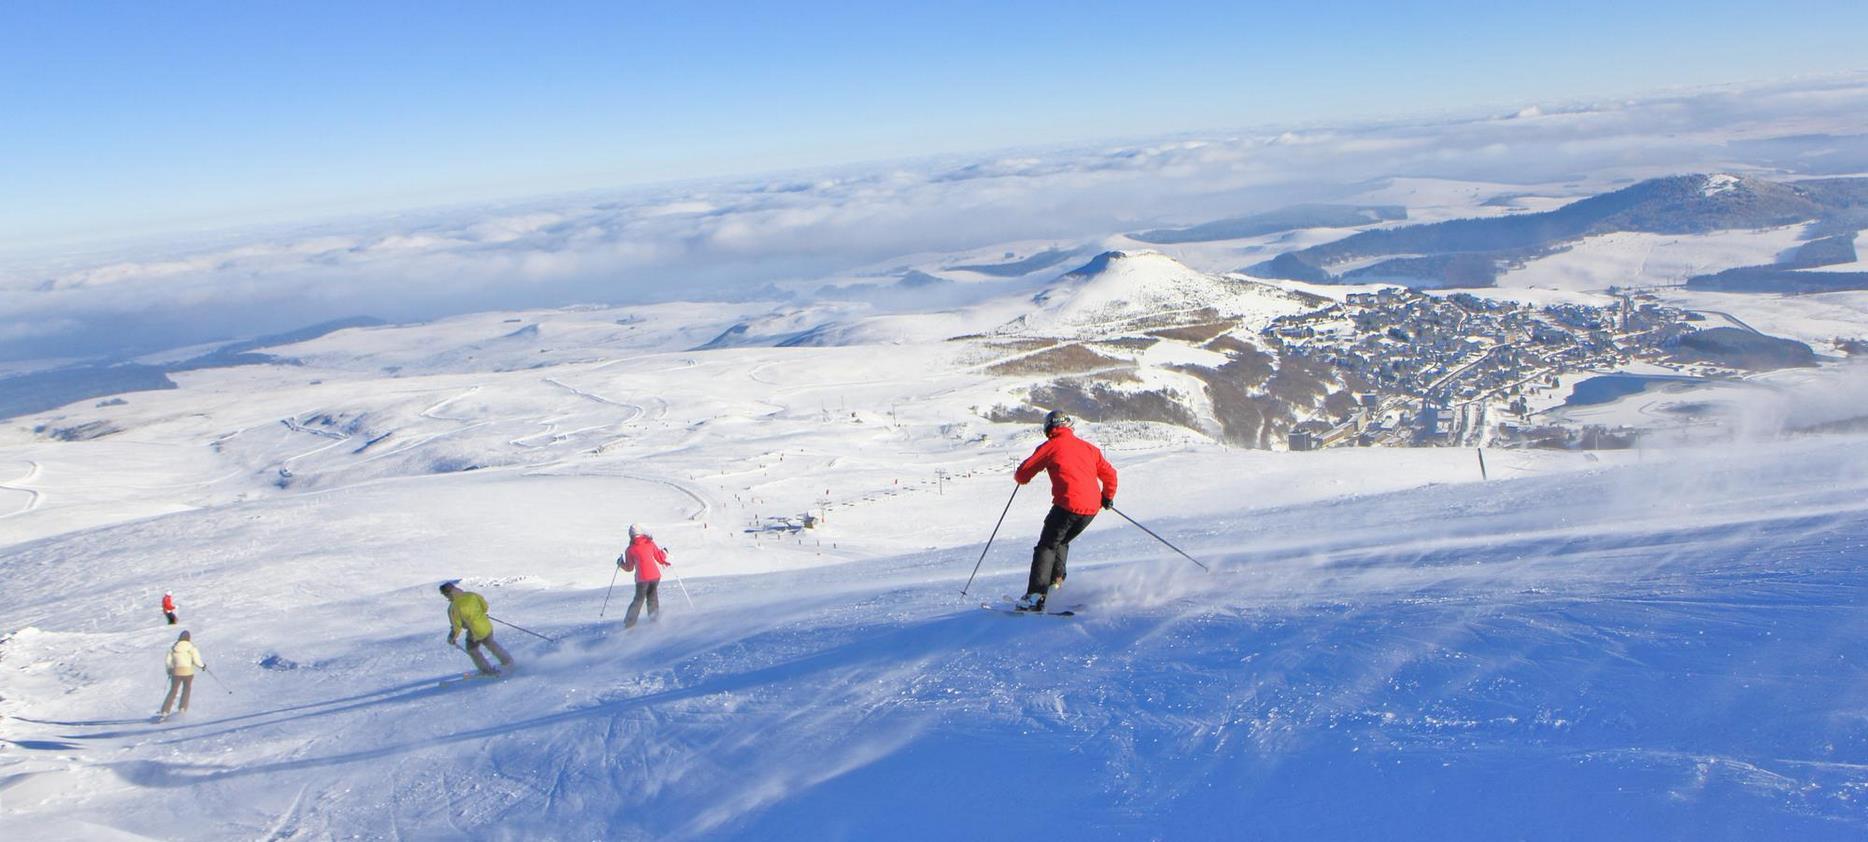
[[1473, 252], [1533, 642], [1122, 291]]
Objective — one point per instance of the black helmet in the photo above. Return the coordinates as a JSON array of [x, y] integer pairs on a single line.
[[1058, 418]]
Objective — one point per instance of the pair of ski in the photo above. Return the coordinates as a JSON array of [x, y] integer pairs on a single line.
[[475, 675], [1008, 605]]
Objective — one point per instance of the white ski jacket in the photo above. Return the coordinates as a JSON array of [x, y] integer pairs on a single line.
[[184, 658]]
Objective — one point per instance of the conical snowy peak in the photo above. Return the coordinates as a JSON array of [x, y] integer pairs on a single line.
[[1121, 290]]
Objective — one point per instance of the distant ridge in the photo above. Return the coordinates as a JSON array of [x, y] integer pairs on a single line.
[[39, 391], [1015, 268], [1472, 252], [1271, 222]]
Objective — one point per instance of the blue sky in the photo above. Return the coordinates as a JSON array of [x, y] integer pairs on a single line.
[[133, 118]]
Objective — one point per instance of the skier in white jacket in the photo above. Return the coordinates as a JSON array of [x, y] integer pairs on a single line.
[[183, 660]]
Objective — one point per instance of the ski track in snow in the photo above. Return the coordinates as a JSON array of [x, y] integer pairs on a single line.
[[339, 440], [34, 499], [1657, 652], [596, 397], [429, 413], [704, 503]]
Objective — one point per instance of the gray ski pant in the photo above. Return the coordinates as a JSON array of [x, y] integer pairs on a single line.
[[183, 683], [479, 660], [645, 593]]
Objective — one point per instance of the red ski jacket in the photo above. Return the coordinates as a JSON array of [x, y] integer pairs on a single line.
[[168, 603], [1076, 467], [645, 558]]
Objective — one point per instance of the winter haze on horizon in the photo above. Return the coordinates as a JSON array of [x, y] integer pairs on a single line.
[[729, 237], [1485, 385], [337, 140]]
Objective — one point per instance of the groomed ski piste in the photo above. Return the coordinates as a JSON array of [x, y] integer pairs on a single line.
[[1653, 645]]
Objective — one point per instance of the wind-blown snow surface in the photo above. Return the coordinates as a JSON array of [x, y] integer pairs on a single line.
[[1666, 650]]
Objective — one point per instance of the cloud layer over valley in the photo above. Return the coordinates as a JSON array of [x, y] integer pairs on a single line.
[[732, 239]]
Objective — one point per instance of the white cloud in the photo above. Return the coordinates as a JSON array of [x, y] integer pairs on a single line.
[[14, 331], [718, 238]]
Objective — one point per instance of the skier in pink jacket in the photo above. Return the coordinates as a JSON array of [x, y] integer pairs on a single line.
[[647, 561]]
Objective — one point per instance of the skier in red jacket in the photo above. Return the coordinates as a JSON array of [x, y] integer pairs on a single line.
[[647, 560], [168, 607], [1082, 481]]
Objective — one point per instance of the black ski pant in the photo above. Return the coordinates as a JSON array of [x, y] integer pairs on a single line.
[[170, 615], [1061, 527], [645, 592]]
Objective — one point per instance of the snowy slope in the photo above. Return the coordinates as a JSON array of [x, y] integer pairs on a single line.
[[1658, 644], [1633, 259], [1663, 651]]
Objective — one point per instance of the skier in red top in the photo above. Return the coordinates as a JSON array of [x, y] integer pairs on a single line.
[[647, 560], [1082, 481], [168, 607]]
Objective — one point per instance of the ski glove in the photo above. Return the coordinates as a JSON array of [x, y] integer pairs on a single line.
[[1109, 502]]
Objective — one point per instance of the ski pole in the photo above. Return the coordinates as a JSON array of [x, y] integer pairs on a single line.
[[606, 594], [684, 588], [1161, 539], [521, 628], [217, 680], [989, 539]]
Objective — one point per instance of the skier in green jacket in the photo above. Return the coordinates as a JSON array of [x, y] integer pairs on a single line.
[[467, 609]]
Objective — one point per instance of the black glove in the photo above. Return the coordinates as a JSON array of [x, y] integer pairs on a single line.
[[450, 640], [1109, 502]]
